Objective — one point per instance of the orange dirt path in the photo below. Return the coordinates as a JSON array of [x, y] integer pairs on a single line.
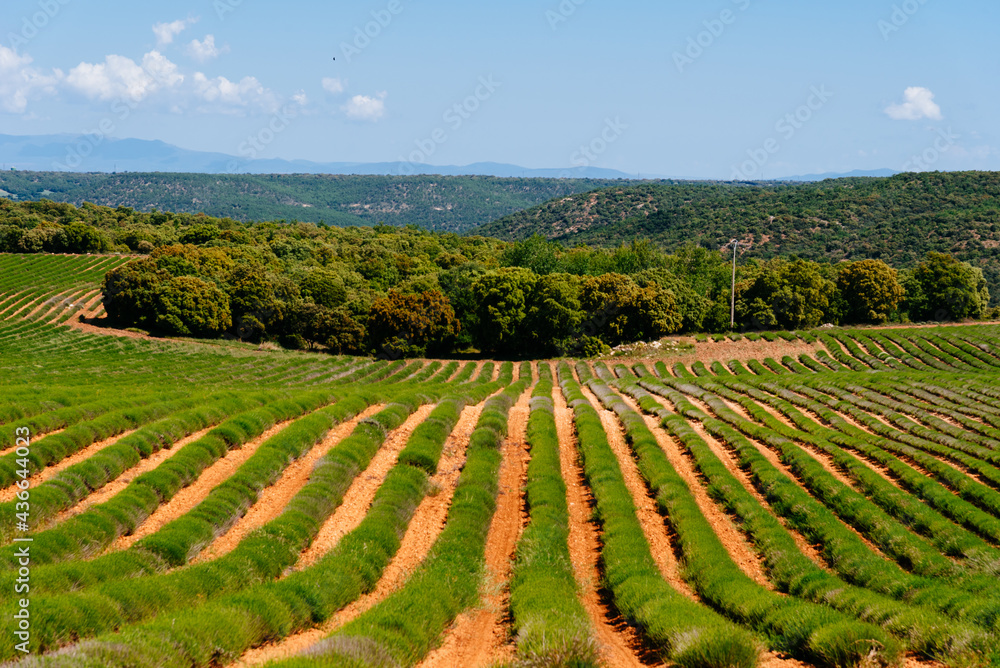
[[478, 638], [422, 531], [189, 497], [732, 538], [360, 494], [653, 526], [620, 647], [775, 461], [274, 499], [10, 493], [109, 490], [726, 457]]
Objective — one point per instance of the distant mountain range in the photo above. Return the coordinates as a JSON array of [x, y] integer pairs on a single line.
[[84, 153]]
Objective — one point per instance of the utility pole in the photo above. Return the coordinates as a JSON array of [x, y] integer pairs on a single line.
[[735, 243]]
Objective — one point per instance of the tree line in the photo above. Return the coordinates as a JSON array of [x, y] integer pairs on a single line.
[[408, 292]]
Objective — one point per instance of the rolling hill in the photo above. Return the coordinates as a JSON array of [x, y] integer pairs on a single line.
[[442, 203], [896, 219]]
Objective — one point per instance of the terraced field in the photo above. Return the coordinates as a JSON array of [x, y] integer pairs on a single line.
[[829, 500]]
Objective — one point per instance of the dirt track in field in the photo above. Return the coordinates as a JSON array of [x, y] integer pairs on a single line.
[[423, 530], [653, 526], [478, 638], [620, 645], [359, 495], [775, 461], [731, 537], [109, 490], [189, 497], [274, 499], [10, 493]]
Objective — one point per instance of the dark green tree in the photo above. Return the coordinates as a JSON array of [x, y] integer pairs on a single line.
[[942, 288], [191, 306], [425, 322], [502, 302], [870, 291]]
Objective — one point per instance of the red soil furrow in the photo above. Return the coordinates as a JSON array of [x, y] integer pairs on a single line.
[[189, 497], [620, 645], [423, 530], [53, 303], [732, 538], [10, 493], [726, 457], [824, 459], [84, 301], [657, 532], [479, 638], [773, 459], [274, 499], [32, 305], [912, 463], [3, 297], [359, 495], [121, 482]]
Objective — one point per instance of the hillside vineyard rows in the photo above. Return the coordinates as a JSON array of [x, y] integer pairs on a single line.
[[830, 500]]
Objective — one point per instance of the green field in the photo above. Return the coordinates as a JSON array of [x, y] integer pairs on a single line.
[[829, 497]]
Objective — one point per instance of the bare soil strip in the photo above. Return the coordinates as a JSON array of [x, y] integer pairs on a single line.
[[10, 493], [359, 495], [273, 499], [732, 538], [726, 457], [620, 644], [479, 637], [121, 482], [189, 497], [775, 461], [423, 530], [658, 534]]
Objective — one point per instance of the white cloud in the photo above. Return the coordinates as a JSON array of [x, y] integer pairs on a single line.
[[225, 96], [331, 85], [300, 98], [121, 77], [365, 108], [919, 104], [205, 50], [19, 81], [165, 32]]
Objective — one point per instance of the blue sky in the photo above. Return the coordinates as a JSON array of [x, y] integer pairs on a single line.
[[717, 89]]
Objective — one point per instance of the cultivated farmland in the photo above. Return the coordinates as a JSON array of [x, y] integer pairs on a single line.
[[825, 498]]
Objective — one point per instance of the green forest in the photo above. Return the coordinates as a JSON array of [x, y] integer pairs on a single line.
[[897, 220], [407, 292], [445, 203]]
